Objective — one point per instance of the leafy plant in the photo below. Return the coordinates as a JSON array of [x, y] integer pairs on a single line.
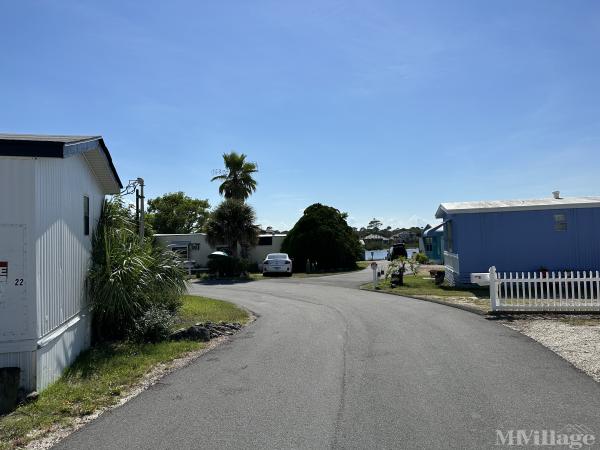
[[421, 258], [395, 266], [128, 276], [153, 326], [238, 182], [413, 265]]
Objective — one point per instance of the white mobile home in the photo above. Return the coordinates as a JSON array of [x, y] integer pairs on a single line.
[[52, 189], [193, 247]]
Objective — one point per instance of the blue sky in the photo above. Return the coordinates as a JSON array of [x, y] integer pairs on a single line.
[[379, 108]]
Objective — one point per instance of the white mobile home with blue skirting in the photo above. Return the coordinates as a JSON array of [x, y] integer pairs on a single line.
[[51, 193]]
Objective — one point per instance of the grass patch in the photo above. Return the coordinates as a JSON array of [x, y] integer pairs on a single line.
[[201, 309], [420, 286], [103, 374]]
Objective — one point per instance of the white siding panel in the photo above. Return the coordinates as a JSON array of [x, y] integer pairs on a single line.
[[26, 362], [59, 353], [62, 250]]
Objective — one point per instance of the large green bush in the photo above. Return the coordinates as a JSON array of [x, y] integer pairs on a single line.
[[127, 277], [322, 235]]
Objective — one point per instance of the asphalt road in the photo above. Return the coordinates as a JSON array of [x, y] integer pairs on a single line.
[[329, 366]]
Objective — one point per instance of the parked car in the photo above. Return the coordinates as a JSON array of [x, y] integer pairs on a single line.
[[277, 263]]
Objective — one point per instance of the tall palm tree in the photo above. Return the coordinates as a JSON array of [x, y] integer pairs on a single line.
[[237, 183], [232, 223]]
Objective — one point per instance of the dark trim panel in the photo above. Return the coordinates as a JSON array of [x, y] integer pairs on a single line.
[[55, 149]]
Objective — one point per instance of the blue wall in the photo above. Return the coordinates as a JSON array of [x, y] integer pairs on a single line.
[[521, 241]]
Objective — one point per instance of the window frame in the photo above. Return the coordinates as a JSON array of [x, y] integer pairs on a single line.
[[86, 215]]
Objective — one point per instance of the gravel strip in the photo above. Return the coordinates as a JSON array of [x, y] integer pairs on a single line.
[[575, 339]]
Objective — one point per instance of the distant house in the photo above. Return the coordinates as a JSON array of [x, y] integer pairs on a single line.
[[520, 235], [432, 243], [376, 239], [194, 248], [405, 237]]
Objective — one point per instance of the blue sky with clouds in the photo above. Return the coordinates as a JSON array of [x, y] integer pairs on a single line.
[[379, 108]]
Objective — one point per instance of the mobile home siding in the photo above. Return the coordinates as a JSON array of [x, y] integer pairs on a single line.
[[522, 241], [41, 204], [62, 250], [26, 361], [16, 215]]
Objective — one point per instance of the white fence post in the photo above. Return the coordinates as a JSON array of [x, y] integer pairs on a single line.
[[493, 288]]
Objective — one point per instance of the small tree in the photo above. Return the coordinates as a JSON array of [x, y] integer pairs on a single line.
[[177, 213], [322, 235], [232, 223], [413, 265], [374, 225]]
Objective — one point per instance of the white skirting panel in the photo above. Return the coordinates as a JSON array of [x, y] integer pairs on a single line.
[[26, 362], [58, 352]]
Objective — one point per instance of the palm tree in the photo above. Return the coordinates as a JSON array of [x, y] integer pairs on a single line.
[[238, 183], [232, 223]]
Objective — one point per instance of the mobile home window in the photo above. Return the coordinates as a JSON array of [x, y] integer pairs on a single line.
[[560, 222], [428, 244], [449, 236], [265, 240], [86, 215]]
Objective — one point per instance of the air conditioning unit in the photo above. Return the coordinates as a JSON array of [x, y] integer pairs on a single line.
[[482, 279]]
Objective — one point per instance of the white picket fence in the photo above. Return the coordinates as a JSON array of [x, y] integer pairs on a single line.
[[549, 291]]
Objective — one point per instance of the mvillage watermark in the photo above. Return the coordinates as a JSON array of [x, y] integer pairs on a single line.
[[570, 436]]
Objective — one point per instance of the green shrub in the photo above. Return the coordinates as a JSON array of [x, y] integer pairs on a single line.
[[226, 266], [153, 326], [322, 235], [127, 276], [421, 258], [252, 267]]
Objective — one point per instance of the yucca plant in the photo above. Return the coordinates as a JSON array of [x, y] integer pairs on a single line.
[[127, 276]]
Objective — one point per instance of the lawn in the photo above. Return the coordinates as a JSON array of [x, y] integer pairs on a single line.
[[421, 286], [105, 373], [202, 309]]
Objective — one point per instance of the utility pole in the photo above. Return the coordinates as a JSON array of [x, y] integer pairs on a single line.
[[140, 201], [140, 213]]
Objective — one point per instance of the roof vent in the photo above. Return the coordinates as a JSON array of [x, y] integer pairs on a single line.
[[556, 194]]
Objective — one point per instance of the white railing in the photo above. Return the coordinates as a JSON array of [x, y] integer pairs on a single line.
[[544, 291], [451, 262]]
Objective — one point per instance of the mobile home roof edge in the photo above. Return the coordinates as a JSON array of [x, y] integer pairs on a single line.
[[516, 205], [46, 146]]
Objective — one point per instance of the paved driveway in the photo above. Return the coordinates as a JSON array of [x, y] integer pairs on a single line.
[[329, 366]]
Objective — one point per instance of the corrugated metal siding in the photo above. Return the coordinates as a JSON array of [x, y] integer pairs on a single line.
[[58, 354], [26, 362], [62, 250], [16, 201], [523, 241]]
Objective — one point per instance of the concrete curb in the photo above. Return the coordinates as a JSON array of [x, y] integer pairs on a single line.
[[467, 308]]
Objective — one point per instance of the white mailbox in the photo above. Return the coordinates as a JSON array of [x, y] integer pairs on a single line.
[[482, 279]]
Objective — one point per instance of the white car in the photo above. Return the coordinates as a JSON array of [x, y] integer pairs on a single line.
[[277, 263]]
